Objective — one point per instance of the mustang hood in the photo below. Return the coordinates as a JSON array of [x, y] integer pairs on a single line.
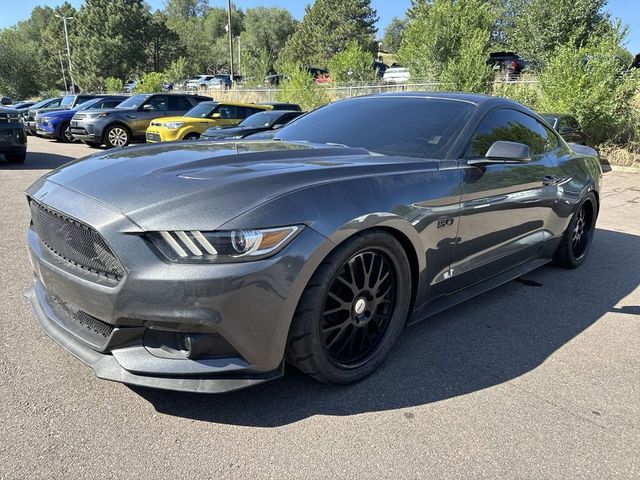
[[162, 187]]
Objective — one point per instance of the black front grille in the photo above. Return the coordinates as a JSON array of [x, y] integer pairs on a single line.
[[74, 241], [90, 329]]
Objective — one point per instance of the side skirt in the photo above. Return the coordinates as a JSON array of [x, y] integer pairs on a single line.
[[448, 301]]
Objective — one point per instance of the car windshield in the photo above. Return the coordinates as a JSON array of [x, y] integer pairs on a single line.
[[134, 101], [86, 105], [67, 100], [202, 110], [392, 125], [41, 103], [262, 119]]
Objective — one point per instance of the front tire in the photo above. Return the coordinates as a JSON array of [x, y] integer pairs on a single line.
[[577, 239], [65, 133], [352, 311], [117, 136], [191, 136]]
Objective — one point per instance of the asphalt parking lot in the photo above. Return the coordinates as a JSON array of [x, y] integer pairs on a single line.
[[537, 379]]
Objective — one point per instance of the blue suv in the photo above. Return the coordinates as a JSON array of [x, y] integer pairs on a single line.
[[56, 124]]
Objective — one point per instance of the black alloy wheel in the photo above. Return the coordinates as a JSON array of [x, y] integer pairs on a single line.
[[578, 237], [353, 309], [358, 308]]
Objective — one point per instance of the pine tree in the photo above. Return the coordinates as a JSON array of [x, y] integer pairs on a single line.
[[327, 27]]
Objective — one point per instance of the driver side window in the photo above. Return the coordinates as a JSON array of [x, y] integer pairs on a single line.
[[158, 103], [505, 124]]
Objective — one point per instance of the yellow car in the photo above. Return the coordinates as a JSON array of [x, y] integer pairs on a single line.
[[204, 115]]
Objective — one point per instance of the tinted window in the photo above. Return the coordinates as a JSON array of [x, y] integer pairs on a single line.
[[134, 101], [202, 110], [179, 103], [158, 102], [410, 126], [510, 125], [84, 98], [244, 112], [67, 100], [227, 111]]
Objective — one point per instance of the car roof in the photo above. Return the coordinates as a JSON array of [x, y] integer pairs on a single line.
[[241, 104], [474, 98]]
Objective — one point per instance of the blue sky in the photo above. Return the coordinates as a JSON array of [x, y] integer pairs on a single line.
[[12, 11]]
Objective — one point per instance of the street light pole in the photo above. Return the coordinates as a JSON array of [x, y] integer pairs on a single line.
[[64, 77], [230, 39], [66, 37]]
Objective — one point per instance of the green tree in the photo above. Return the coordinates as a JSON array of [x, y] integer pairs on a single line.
[[186, 8], [179, 70], [19, 74], [113, 85], [393, 34], [541, 26], [326, 28], [299, 87], [107, 39], [418, 8], [163, 44], [352, 65], [266, 31], [450, 42], [588, 82]]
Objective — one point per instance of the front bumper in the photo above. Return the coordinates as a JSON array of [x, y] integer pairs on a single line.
[[87, 130], [159, 134], [248, 305], [12, 138]]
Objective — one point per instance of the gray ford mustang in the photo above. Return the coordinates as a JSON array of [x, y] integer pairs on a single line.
[[203, 266]]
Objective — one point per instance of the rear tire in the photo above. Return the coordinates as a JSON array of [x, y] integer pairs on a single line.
[[577, 239], [16, 157], [117, 136], [352, 311]]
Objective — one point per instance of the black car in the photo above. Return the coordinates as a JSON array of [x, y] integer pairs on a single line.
[[203, 266], [259, 122], [116, 127], [509, 65], [13, 140], [29, 115], [567, 126]]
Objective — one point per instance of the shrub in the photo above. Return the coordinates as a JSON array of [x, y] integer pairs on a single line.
[[353, 64], [150, 83], [299, 87], [113, 85], [526, 91], [178, 71], [589, 83]]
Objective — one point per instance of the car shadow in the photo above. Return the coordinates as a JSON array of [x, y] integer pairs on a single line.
[[484, 342], [38, 161]]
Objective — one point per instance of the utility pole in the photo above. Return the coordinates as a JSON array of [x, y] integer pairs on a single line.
[[230, 40], [66, 37], [64, 77], [239, 54]]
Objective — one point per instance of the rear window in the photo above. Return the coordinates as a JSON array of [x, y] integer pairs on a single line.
[[406, 126]]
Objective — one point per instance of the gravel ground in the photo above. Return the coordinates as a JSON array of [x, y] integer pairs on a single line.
[[537, 379]]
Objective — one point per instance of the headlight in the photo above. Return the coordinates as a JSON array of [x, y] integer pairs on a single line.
[[224, 246], [173, 125], [91, 116]]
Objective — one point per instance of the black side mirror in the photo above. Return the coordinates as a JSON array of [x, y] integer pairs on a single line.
[[505, 152], [148, 108], [566, 130]]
